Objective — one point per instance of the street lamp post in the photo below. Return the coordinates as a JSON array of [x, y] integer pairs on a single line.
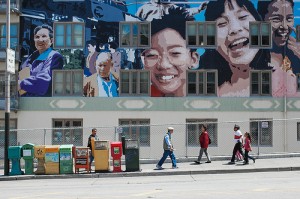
[[7, 91]]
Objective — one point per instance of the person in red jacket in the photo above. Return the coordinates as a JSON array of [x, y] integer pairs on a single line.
[[204, 141], [248, 148]]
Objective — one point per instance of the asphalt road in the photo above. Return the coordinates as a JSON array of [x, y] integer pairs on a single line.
[[269, 185]]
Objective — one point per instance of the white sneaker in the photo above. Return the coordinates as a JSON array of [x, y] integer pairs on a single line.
[[158, 167]]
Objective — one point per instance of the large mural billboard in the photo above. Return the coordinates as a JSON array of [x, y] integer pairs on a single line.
[[168, 57]]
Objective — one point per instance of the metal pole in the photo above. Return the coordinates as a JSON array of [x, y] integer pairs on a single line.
[[7, 92]]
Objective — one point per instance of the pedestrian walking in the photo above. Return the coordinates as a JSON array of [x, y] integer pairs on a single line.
[[238, 143], [248, 148], [239, 157], [93, 135], [168, 150], [204, 142]]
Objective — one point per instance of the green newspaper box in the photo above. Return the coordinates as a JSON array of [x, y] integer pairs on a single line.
[[15, 154], [65, 159], [28, 156]]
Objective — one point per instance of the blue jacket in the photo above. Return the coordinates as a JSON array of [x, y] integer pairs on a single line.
[[41, 65]]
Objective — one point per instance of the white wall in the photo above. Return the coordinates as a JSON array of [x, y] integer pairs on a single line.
[[40, 119]]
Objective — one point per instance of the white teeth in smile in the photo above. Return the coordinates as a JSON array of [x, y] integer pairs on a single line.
[[167, 77], [238, 41], [283, 34]]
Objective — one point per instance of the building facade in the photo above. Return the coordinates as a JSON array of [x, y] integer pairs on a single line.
[[111, 63]]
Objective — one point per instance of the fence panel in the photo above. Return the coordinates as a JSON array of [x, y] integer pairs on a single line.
[[269, 136]]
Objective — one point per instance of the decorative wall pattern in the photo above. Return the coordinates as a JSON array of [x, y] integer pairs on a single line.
[[169, 57]]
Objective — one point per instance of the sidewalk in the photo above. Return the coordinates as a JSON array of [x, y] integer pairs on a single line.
[[185, 167]]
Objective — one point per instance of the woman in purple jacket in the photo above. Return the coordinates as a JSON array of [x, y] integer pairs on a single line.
[[41, 64]]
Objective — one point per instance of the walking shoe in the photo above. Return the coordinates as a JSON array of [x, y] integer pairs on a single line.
[[231, 162], [158, 167], [253, 160], [208, 161], [245, 163], [176, 167], [197, 162]]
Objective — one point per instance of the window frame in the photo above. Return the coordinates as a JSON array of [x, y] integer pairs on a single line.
[[205, 35], [212, 125], [257, 140], [65, 46], [205, 72], [139, 34], [139, 123], [13, 4], [298, 131], [13, 135], [131, 83], [13, 85], [67, 129], [260, 24], [298, 33], [72, 82], [298, 82], [2, 37], [260, 83]]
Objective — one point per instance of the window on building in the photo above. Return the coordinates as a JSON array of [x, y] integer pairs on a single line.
[[261, 131], [13, 85], [298, 131], [298, 81], [134, 82], [67, 82], [13, 139], [136, 129], [193, 127], [135, 34], [298, 33], [202, 82], [13, 4], [67, 131], [201, 34], [68, 35], [14, 41], [261, 82], [260, 34]]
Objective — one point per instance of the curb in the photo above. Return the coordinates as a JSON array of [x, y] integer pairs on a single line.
[[140, 174]]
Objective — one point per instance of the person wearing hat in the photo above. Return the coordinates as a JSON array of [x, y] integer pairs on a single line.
[[168, 150], [93, 135], [204, 142], [238, 143]]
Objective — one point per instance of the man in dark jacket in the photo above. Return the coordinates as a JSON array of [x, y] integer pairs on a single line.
[[93, 135]]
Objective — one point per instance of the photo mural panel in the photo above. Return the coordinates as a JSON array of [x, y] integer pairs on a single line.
[[169, 57]]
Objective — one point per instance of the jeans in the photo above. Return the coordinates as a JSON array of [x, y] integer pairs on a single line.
[[248, 156], [237, 147], [165, 155], [91, 158], [201, 154]]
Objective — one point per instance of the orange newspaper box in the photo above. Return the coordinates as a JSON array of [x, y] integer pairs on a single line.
[[116, 154], [82, 158]]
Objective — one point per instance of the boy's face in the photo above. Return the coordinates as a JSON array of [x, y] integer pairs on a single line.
[[168, 60]]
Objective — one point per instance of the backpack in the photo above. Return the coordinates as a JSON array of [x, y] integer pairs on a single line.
[[209, 140]]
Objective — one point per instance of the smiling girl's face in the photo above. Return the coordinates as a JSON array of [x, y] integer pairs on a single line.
[[168, 59], [233, 35], [281, 15]]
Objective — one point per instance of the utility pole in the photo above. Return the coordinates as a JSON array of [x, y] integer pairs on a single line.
[[7, 91]]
